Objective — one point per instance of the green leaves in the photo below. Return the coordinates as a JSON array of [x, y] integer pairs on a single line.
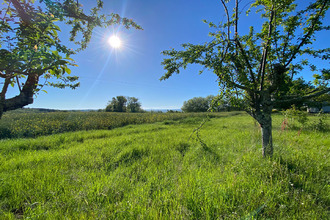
[[31, 46]]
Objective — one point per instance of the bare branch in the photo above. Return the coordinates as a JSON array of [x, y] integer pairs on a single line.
[[261, 73], [246, 60], [308, 34], [19, 85], [236, 19], [228, 18], [275, 42]]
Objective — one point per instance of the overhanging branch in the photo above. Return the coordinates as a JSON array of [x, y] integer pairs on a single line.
[[303, 98], [26, 95]]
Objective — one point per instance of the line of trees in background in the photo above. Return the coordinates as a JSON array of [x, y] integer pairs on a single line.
[[124, 104], [237, 102], [211, 102]]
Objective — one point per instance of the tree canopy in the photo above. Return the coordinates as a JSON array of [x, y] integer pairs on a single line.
[[261, 64], [124, 104], [133, 105], [32, 53]]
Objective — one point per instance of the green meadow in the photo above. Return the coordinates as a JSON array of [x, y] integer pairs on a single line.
[[28, 123], [167, 169]]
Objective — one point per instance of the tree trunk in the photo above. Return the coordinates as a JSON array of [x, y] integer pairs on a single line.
[[266, 134], [1, 108], [263, 115]]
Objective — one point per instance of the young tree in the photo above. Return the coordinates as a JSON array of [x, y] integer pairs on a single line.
[[32, 54], [260, 64]]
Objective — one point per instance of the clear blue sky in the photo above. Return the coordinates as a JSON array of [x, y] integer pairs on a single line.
[[135, 68]]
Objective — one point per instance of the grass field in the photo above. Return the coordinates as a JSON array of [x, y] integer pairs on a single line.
[[26, 123], [163, 171]]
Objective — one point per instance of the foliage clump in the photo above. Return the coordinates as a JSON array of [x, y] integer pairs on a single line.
[[197, 104], [124, 104]]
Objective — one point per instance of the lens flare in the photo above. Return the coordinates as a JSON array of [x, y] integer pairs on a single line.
[[114, 41]]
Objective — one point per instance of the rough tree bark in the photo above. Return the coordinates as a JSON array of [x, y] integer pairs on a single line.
[[262, 113], [24, 98], [266, 134]]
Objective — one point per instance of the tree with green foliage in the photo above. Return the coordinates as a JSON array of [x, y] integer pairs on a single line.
[[197, 104], [124, 104], [133, 105], [117, 104], [32, 54], [261, 64]]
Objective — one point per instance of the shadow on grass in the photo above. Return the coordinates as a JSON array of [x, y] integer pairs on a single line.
[[311, 181]]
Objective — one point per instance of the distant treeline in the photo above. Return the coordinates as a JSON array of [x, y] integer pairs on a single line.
[[124, 104], [210, 103], [35, 110]]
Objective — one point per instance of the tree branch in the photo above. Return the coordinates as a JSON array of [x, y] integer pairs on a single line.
[[246, 60], [4, 89], [26, 95], [303, 98], [237, 85], [228, 18], [6, 13], [18, 84], [21, 12], [236, 21], [309, 33], [261, 73], [2, 75]]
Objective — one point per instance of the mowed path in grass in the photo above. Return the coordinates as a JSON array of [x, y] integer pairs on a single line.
[[162, 171]]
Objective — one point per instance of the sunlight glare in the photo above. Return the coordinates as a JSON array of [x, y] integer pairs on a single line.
[[114, 41]]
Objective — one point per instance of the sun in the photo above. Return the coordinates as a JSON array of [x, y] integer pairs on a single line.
[[114, 41]]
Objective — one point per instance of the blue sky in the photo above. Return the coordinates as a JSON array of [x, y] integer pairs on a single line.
[[135, 68]]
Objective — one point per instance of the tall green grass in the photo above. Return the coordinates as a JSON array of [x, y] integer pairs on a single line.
[[163, 171]]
